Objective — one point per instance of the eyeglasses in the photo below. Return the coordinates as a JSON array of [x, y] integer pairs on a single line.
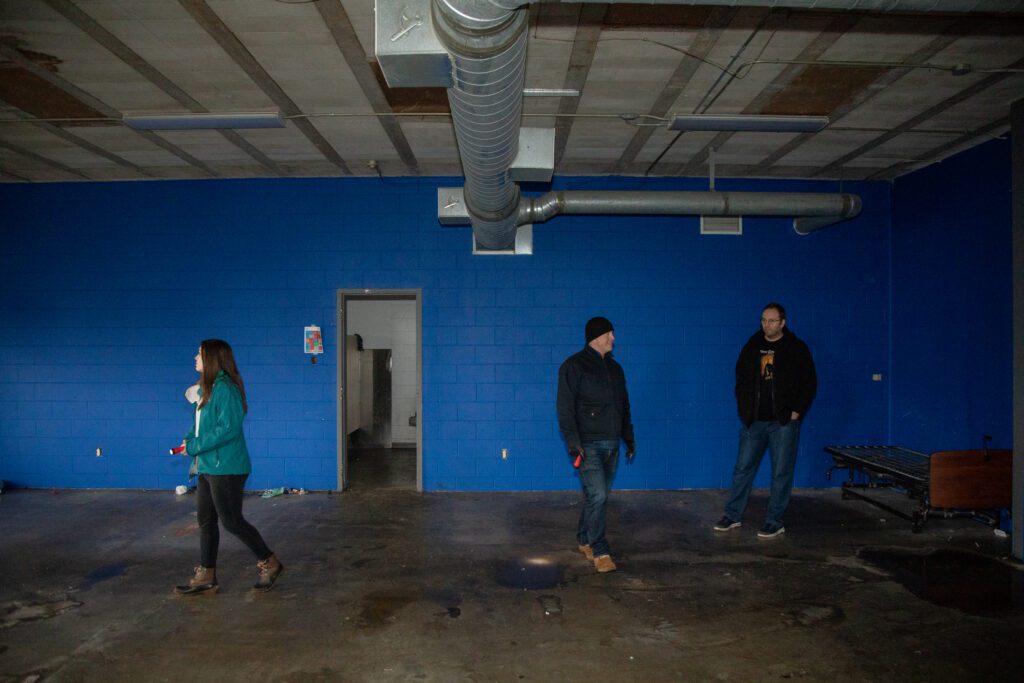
[[770, 320]]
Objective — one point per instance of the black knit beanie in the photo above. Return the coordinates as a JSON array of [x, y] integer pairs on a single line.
[[598, 326]]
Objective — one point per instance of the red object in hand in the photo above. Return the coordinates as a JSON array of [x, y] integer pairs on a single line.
[[178, 450], [578, 461]]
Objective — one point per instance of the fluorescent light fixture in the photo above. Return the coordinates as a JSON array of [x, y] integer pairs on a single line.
[[204, 121], [550, 92], [749, 122]]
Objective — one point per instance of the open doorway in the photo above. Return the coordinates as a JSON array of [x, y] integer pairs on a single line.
[[380, 387]]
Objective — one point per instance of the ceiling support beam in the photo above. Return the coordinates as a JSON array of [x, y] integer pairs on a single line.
[[588, 32], [110, 42], [103, 108], [717, 21], [340, 26], [219, 31], [942, 150], [952, 31], [43, 161], [835, 30], [836, 166]]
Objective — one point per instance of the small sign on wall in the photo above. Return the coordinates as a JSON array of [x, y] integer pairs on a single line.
[[314, 339]]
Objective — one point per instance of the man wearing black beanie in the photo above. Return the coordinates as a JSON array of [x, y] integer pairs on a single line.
[[593, 415]]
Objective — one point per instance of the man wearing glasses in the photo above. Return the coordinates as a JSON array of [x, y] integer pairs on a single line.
[[775, 384]]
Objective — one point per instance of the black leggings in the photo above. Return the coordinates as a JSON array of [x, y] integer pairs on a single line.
[[220, 496]]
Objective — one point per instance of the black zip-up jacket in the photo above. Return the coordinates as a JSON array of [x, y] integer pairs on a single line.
[[593, 404], [795, 381]]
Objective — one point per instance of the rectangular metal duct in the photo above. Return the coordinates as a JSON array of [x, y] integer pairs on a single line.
[[408, 51]]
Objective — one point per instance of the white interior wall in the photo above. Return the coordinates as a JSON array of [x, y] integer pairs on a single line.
[[391, 325]]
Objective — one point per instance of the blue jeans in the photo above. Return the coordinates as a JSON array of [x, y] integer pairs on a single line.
[[782, 441], [601, 460]]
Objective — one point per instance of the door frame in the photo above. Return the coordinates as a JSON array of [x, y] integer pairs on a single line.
[[343, 297]]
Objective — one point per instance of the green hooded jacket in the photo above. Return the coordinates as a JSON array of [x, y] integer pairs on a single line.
[[220, 446]]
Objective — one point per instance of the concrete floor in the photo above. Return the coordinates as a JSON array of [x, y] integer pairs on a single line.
[[381, 468], [398, 586]]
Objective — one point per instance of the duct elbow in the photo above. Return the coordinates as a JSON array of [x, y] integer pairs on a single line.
[[851, 208], [540, 209]]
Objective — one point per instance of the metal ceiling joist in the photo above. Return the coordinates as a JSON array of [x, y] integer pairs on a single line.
[[588, 31], [997, 6], [717, 21], [837, 26], [219, 31], [39, 159], [338, 23], [915, 121], [104, 109], [951, 31], [108, 40]]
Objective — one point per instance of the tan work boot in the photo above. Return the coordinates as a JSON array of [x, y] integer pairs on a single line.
[[269, 570], [604, 564], [203, 581], [587, 551]]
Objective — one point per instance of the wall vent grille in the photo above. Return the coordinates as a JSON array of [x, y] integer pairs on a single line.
[[721, 225]]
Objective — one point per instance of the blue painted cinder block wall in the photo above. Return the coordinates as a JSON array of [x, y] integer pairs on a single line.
[[952, 302], [108, 288]]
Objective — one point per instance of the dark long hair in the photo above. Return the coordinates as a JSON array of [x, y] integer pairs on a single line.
[[217, 356]]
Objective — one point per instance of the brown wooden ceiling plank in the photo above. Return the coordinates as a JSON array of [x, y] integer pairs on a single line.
[[233, 47], [835, 30], [584, 46], [104, 109], [24, 62], [717, 20], [114, 45], [340, 26], [915, 121], [939, 152], [38, 158], [42, 99], [951, 33]]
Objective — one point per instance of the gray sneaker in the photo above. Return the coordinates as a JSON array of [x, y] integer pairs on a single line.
[[771, 531], [726, 524]]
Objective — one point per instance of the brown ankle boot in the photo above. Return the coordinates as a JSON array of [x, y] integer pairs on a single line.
[[203, 581], [269, 570], [604, 564]]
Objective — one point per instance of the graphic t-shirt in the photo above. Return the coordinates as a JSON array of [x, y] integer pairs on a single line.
[[766, 394]]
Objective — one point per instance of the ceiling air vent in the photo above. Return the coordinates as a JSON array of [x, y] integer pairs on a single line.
[[721, 225]]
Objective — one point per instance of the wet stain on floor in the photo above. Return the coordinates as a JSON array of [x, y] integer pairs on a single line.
[[14, 613], [102, 574], [529, 574], [974, 584], [814, 616], [186, 530], [379, 610]]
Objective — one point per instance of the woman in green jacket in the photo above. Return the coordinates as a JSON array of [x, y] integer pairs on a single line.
[[218, 444]]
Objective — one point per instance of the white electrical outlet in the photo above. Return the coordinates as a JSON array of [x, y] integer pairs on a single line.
[[504, 454], [877, 377]]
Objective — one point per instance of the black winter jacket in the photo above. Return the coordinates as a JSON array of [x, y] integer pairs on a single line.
[[593, 404], [795, 380]]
